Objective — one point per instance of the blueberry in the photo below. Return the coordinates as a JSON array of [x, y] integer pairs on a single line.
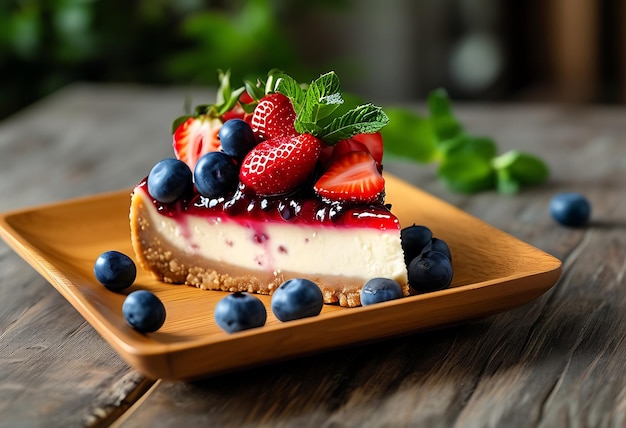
[[378, 290], [216, 175], [237, 138], [438, 245], [239, 311], [414, 239], [143, 311], [570, 209], [169, 180], [297, 298], [114, 270], [430, 271]]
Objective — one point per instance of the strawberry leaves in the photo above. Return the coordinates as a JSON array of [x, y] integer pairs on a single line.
[[318, 113], [226, 99]]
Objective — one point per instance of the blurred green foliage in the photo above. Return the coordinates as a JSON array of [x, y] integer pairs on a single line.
[[45, 44]]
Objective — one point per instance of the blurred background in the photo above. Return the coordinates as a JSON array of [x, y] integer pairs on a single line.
[[386, 50]]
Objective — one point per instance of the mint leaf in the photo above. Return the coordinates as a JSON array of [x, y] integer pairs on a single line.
[[364, 119], [409, 135], [505, 183], [288, 86], [522, 167], [309, 128], [439, 103], [481, 146], [321, 98], [467, 173], [445, 124]]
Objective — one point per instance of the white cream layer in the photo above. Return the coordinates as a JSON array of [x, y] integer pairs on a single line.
[[274, 247]]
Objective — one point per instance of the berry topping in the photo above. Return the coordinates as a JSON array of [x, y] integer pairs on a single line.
[[570, 209], [351, 177], [239, 311], [430, 271], [378, 290], [169, 180], [297, 298], [414, 239], [143, 311], [237, 138], [273, 117], [115, 270], [216, 174], [280, 165]]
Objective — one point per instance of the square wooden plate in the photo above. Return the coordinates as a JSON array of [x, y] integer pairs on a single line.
[[493, 271]]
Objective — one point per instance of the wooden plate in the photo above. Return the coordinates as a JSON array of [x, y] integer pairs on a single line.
[[493, 271]]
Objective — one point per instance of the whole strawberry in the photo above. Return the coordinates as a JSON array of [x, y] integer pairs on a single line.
[[273, 116], [281, 164]]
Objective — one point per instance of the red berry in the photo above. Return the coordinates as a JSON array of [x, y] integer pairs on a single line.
[[237, 112], [281, 164], [374, 144], [195, 137], [351, 177], [273, 116]]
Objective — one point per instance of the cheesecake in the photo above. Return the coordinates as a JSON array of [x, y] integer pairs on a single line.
[[306, 200]]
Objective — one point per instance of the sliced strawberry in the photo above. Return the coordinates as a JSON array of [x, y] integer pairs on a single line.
[[273, 117], [352, 177], [374, 144], [349, 145], [195, 137], [281, 164]]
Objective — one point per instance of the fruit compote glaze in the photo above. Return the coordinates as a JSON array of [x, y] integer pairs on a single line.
[[244, 207]]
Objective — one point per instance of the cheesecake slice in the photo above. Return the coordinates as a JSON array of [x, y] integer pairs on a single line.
[[243, 245], [278, 181]]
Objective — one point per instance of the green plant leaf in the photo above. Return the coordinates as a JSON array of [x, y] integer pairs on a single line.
[[254, 89], [409, 136], [321, 98], [288, 86], [178, 121], [481, 146], [364, 119], [524, 168], [439, 103], [467, 173], [446, 126], [505, 183]]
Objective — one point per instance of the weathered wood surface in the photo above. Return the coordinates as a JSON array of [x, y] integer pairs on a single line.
[[557, 361]]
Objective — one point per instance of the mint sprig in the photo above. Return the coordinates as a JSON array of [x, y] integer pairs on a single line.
[[318, 109], [467, 164]]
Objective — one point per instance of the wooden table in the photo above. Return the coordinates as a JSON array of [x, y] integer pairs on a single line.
[[557, 361]]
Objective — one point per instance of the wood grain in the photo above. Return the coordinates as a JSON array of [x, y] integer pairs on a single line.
[[556, 361]]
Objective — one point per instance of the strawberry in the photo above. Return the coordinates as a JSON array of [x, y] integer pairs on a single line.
[[273, 116], [374, 144], [195, 137], [351, 177], [238, 112], [281, 164]]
